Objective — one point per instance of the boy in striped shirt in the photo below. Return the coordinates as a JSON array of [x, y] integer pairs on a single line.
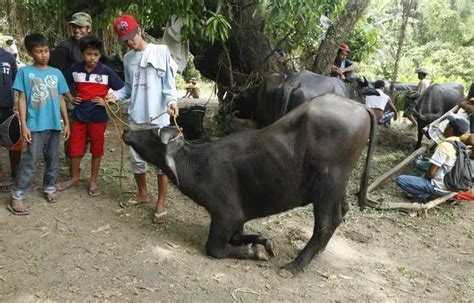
[[92, 81]]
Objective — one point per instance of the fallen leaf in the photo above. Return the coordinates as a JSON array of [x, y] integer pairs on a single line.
[[150, 289], [172, 245], [101, 228]]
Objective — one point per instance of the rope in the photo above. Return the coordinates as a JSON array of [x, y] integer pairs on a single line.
[[113, 111], [114, 115]]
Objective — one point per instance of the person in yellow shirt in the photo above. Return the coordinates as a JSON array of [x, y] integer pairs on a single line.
[[441, 162]]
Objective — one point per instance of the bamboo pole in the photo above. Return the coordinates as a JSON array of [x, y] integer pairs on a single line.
[[413, 155], [399, 166], [452, 110], [411, 206]]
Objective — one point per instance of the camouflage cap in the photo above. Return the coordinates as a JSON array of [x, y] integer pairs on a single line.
[[81, 19], [421, 70]]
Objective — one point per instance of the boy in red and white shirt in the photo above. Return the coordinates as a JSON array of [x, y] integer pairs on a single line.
[[92, 81]]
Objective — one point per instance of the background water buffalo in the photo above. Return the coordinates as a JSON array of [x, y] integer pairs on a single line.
[[305, 157], [190, 119], [278, 95], [434, 102]]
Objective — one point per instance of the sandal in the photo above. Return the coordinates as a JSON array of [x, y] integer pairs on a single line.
[[132, 202], [65, 185], [5, 186], [51, 197], [94, 192], [17, 208], [160, 218]]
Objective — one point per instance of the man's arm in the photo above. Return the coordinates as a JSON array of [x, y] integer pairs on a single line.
[[349, 68], [430, 173], [467, 106], [392, 108]]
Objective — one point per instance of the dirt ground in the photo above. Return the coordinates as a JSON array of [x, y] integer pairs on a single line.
[[91, 249]]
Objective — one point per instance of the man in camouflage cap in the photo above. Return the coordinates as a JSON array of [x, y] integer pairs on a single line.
[[67, 52]]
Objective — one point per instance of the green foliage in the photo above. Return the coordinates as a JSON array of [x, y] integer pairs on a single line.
[[442, 20], [222, 125], [191, 71], [294, 24], [364, 39], [216, 27], [440, 38]]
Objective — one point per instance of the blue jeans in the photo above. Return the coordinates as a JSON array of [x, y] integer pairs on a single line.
[[46, 142], [417, 187]]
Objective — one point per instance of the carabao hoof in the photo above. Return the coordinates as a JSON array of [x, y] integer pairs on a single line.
[[261, 253], [270, 248]]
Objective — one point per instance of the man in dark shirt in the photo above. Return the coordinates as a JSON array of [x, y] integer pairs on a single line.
[[67, 52], [8, 70], [343, 67]]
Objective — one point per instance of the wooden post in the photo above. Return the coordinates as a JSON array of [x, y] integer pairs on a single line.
[[399, 166], [416, 153], [411, 206], [452, 110]]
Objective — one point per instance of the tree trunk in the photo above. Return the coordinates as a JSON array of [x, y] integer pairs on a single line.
[[408, 8], [335, 36], [242, 61]]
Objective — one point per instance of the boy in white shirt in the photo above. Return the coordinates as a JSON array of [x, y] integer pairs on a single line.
[[150, 85]]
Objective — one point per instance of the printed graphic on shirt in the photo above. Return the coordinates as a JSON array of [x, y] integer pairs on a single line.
[[6, 68], [41, 89]]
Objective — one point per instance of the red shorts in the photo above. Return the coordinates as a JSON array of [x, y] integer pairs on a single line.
[[18, 146], [80, 131]]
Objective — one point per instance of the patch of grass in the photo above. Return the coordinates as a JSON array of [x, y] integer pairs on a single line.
[[222, 125], [7, 291]]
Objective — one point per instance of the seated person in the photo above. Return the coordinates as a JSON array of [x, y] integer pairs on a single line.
[[192, 90], [343, 67], [441, 162], [378, 103]]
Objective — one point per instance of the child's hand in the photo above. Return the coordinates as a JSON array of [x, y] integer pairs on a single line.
[[111, 98], [66, 131], [77, 100], [26, 134], [98, 101]]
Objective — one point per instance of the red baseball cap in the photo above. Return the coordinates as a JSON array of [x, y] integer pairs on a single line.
[[345, 47], [126, 27]]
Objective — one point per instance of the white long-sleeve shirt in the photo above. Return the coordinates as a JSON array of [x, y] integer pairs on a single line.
[[149, 83]]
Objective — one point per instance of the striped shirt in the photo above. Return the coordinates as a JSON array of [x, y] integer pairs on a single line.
[[90, 85]]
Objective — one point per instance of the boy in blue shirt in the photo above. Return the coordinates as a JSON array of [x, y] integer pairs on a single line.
[[41, 106]]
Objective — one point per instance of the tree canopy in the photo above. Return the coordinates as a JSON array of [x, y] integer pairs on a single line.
[[439, 33]]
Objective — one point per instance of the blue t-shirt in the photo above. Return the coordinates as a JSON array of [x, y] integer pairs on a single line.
[[90, 85], [42, 88]]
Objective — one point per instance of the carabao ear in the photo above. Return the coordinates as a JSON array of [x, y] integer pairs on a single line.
[[167, 133], [369, 91], [362, 82]]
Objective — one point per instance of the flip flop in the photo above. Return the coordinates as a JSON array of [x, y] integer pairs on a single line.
[[64, 185], [5, 186], [51, 197], [94, 192], [160, 218], [17, 208], [132, 202]]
